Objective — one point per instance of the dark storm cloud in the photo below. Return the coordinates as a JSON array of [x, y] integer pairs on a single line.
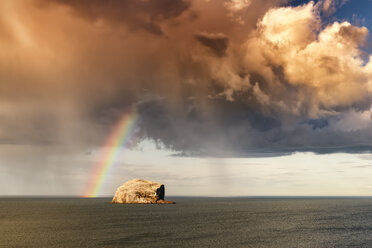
[[142, 14], [259, 80], [216, 42]]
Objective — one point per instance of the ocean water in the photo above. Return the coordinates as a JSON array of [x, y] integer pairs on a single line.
[[192, 222]]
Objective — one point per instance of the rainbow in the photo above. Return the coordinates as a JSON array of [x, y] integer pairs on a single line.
[[117, 139]]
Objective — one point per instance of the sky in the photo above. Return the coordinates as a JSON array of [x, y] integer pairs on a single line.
[[233, 97]]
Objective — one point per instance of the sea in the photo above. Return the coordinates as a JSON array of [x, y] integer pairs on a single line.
[[192, 222]]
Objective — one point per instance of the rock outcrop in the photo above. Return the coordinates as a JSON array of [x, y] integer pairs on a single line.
[[140, 191]]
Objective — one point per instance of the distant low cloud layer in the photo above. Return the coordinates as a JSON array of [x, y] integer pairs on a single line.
[[219, 78]]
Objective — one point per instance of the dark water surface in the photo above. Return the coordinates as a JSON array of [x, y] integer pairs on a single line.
[[192, 222]]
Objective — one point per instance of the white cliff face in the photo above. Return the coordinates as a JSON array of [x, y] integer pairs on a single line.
[[140, 191]]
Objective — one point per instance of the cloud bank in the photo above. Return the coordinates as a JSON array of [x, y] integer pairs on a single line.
[[215, 78]]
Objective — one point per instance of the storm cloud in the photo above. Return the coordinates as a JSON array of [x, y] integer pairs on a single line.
[[216, 42], [146, 15], [221, 78]]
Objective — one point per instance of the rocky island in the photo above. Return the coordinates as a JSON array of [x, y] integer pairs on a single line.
[[141, 191]]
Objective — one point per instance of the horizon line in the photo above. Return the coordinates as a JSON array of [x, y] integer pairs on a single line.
[[199, 196]]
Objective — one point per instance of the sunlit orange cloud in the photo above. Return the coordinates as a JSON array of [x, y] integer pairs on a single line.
[[327, 61]]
